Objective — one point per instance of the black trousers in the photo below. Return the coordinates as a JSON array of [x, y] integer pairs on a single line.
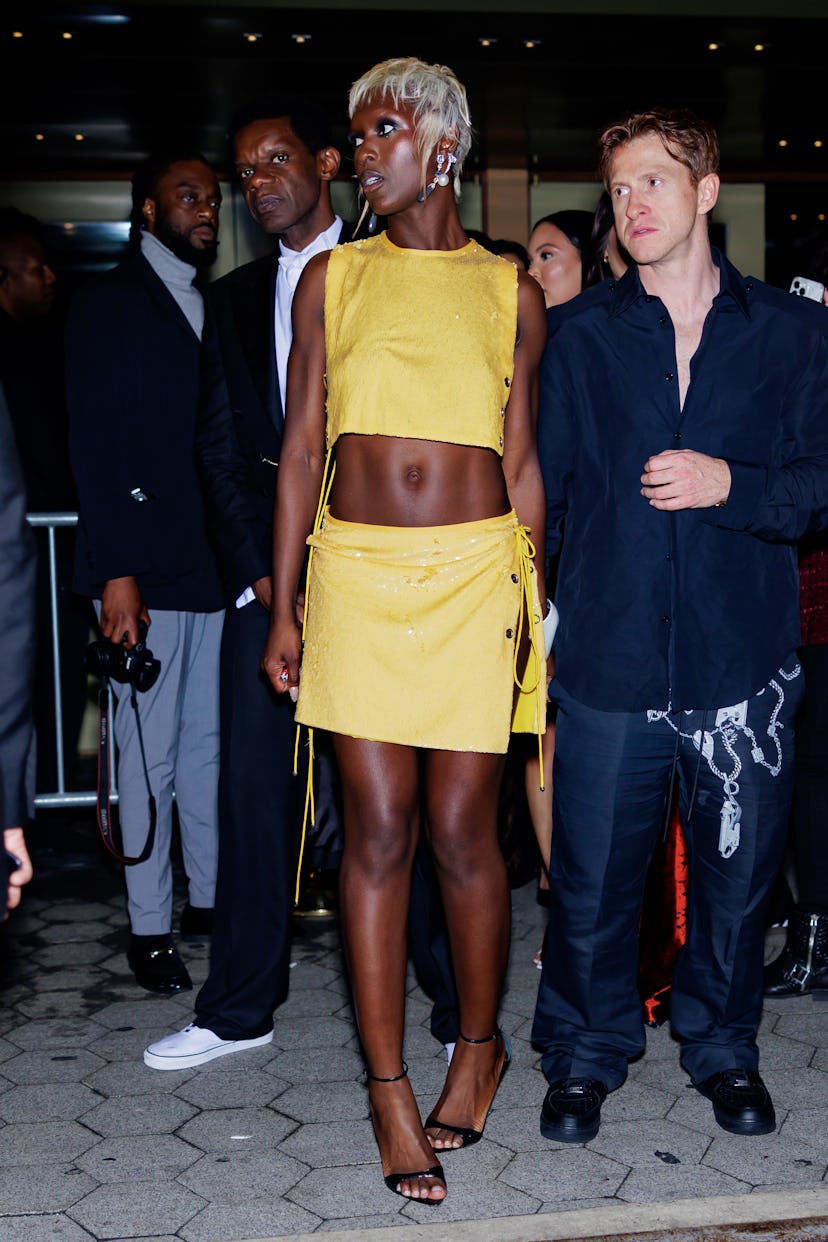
[[259, 824], [612, 776]]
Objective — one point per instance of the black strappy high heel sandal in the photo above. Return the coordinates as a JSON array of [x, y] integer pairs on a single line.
[[392, 1180], [468, 1135]]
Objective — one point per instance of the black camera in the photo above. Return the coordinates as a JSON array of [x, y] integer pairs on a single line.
[[135, 666]]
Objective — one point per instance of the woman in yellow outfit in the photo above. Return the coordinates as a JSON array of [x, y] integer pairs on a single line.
[[411, 413]]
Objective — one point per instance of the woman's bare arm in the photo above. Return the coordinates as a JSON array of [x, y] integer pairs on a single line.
[[520, 457], [301, 463]]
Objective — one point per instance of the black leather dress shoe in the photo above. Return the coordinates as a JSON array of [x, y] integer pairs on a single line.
[[571, 1111], [196, 922], [741, 1103], [156, 965], [317, 895]]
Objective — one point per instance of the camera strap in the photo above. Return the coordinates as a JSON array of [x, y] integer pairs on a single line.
[[104, 806]]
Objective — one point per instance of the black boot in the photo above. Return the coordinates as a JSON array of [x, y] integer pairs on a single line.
[[802, 966]]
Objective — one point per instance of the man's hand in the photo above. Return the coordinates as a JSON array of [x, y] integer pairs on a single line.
[[263, 590], [15, 843], [684, 479], [121, 609]]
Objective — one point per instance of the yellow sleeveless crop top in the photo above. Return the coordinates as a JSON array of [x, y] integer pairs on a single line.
[[420, 343]]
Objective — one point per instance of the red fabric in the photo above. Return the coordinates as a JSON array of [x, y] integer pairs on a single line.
[[813, 592], [663, 922]]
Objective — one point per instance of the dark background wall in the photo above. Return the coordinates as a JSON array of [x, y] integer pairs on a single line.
[[543, 79]]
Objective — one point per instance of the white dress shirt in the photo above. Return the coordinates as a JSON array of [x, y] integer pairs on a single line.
[[291, 265]]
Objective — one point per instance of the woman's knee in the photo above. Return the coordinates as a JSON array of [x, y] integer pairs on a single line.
[[379, 844], [463, 848]]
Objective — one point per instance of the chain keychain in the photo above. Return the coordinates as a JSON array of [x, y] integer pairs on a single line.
[[729, 831], [730, 722]]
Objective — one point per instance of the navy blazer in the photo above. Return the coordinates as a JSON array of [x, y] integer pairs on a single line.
[[240, 420], [132, 382], [17, 637]]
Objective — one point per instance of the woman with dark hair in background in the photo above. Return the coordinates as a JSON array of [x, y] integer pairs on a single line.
[[608, 258], [559, 253]]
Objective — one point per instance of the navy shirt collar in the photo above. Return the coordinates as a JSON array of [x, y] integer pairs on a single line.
[[627, 291]]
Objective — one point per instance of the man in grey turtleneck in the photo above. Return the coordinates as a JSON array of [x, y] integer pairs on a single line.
[[132, 366]]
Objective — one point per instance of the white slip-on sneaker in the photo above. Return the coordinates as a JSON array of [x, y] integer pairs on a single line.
[[195, 1045]]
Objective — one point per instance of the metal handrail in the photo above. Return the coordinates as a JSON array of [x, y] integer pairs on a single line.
[[61, 797]]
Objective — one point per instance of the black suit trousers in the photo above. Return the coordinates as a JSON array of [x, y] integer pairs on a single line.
[[259, 825]]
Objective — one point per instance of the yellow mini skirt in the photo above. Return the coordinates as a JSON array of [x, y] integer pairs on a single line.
[[411, 634]]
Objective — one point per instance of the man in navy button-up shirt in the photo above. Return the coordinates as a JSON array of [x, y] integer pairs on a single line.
[[684, 443]]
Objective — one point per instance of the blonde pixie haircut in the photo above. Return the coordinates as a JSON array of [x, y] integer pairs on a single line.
[[438, 99]]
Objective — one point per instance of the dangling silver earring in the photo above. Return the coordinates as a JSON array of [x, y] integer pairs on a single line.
[[441, 177], [444, 163]]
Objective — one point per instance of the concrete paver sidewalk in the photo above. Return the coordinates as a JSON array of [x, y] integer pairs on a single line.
[[276, 1142]]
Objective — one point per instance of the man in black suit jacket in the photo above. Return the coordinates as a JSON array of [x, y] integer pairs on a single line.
[[285, 160], [143, 554], [17, 629], [31, 371]]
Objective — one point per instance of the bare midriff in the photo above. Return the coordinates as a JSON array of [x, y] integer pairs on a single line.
[[390, 481]]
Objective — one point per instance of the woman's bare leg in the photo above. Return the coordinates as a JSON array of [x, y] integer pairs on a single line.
[[462, 801], [380, 791], [540, 800]]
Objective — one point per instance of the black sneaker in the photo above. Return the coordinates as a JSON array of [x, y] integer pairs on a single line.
[[571, 1111], [741, 1103]]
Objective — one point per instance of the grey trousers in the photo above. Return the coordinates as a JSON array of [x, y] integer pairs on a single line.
[[179, 718]]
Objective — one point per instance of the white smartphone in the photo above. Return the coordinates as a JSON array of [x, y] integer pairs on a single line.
[[807, 288]]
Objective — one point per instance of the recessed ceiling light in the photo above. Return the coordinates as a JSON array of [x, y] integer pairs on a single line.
[[713, 47], [79, 137], [818, 142], [821, 216], [794, 216], [531, 42], [67, 34], [759, 47], [252, 36], [783, 142], [39, 137], [301, 38], [17, 34], [485, 41]]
